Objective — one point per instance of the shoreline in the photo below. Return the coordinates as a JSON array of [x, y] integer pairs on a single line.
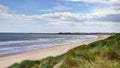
[[55, 45], [43, 53]]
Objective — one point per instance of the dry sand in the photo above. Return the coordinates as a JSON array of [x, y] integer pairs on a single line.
[[40, 54]]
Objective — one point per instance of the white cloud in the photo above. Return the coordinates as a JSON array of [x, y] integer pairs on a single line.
[[58, 7], [46, 10], [105, 11], [60, 17], [71, 18], [63, 20], [3, 9], [15, 18], [93, 1]]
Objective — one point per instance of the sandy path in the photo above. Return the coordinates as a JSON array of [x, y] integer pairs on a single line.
[[39, 54]]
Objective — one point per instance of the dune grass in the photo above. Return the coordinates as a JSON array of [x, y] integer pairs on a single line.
[[99, 54], [48, 62]]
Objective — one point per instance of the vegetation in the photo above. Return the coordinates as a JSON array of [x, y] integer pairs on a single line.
[[100, 54]]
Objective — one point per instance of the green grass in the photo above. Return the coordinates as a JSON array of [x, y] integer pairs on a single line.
[[48, 62], [99, 54]]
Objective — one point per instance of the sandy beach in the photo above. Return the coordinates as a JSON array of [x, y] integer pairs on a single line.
[[40, 54]]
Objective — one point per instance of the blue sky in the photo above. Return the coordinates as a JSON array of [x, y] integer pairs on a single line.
[[59, 16]]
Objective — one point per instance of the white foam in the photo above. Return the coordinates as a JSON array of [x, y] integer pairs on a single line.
[[24, 41], [41, 43]]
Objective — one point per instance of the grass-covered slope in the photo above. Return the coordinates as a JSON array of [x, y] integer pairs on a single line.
[[100, 54]]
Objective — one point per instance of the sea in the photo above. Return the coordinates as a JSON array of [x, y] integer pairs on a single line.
[[14, 43]]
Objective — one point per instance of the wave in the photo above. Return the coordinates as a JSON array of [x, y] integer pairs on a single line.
[[27, 45], [23, 41]]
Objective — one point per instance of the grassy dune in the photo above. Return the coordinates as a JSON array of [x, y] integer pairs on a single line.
[[100, 54]]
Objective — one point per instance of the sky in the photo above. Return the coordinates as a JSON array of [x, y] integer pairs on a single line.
[[51, 16]]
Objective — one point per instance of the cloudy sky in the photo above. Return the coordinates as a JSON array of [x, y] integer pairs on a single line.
[[59, 16]]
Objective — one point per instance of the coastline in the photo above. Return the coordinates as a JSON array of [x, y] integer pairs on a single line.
[[40, 54]]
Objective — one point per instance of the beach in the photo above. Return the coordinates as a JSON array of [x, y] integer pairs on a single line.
[[40, 54]]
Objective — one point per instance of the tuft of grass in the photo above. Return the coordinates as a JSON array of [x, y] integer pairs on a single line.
[[99, 54]]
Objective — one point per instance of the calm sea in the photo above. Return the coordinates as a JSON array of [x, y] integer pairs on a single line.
[[13, 43]]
